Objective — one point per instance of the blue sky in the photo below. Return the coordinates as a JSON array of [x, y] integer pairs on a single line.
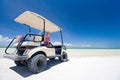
[[85, 23]]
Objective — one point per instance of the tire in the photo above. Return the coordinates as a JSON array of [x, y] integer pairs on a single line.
[[63, 57], [37, 63], [18, 63]]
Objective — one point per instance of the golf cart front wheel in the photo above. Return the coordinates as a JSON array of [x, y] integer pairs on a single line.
[[37, 63], [63, 57]]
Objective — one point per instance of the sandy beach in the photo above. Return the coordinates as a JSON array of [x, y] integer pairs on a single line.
[[83, 64]]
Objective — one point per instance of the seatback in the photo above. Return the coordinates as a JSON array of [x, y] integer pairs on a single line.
[[37, 38]]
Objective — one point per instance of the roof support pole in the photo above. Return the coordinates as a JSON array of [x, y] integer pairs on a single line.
[[29, 29], [61, 36], [43, 27]]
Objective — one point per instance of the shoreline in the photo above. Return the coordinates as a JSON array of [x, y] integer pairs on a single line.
[[82, 52], [79, 48]]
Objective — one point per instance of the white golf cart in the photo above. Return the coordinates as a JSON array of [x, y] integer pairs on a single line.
[[30, 50]]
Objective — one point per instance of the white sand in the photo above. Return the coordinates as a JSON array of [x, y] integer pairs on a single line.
[[79, 67], [84, 68], [93, 52]]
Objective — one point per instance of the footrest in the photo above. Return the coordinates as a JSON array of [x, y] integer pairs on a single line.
[[16, 57]]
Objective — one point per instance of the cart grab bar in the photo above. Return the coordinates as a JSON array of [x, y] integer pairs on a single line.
[[9, 45]]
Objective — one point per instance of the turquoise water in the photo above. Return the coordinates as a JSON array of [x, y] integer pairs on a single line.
[[81, 52]]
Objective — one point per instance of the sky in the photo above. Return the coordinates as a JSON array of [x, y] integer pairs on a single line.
[[85, 23]]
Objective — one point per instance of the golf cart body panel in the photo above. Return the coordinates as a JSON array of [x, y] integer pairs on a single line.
[[49, 52], [36, 21], [16, 57]]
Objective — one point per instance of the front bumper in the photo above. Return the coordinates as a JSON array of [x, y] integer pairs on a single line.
[[16, 57]]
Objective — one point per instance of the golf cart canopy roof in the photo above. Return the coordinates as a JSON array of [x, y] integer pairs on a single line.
[[36, 21]]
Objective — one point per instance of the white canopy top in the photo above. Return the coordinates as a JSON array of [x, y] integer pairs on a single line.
[[36, 21]]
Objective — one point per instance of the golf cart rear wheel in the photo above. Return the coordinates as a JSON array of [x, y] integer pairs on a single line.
[[63, 57], [37, 63]]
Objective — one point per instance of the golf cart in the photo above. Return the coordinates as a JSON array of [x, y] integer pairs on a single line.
[[29, 49]]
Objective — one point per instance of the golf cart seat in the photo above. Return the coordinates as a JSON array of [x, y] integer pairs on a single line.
[[34, 41], [27, 43]]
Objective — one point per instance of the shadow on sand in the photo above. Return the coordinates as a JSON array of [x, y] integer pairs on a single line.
[[24, 72]]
